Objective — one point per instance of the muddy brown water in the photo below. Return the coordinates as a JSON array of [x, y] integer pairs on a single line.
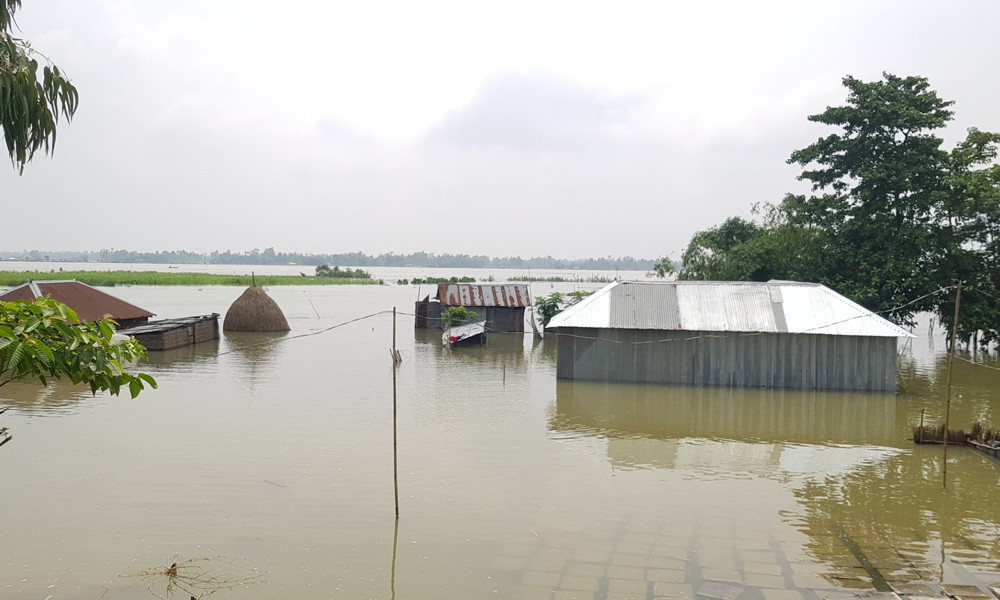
[[268, 460]]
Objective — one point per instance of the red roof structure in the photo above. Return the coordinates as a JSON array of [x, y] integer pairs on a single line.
[[89, 303], [508, 295]]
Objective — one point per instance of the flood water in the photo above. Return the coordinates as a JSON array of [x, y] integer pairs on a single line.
[[267, 461]]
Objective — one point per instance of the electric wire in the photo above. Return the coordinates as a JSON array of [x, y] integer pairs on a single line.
[[698, 337]]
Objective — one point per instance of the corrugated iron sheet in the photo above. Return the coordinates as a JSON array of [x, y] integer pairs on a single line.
[[772, 307], [168, 324], [643, 307], [507, 295], [89, 303], [726, 307]]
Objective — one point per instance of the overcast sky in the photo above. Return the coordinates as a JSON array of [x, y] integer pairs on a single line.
[[572, 129]]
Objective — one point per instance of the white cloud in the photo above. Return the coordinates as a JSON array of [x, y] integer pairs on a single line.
[[563, 128]]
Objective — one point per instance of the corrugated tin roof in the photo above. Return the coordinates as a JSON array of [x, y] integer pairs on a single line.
[[89, 303], [508, 295], [168, 324], [772, 307]]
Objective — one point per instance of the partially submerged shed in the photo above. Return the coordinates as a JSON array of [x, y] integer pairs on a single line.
[[502, 305], [90, 304], [254, 310], [778, 334], [168, 334]]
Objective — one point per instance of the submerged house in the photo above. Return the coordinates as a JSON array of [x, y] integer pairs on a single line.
[[501, 304], [90, 304], [779, 334]]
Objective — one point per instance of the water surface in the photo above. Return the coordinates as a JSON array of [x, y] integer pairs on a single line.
[[271, 456]]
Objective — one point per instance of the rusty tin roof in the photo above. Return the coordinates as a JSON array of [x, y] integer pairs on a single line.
[[508, 295], [89, 303]]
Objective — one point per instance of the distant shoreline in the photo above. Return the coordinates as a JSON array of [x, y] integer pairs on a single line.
[[269, 257], [120, 278]]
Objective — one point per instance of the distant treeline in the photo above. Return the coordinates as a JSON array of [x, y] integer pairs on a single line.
[[269, 256]]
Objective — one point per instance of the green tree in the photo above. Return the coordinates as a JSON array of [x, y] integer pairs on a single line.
[[556, 302], [969, 229], [44, 340], [30, 102], [663, 268], [878, 185], [548, 307], [892, 217], [458, 315]]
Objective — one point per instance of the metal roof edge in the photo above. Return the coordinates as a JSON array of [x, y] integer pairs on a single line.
[[865, 313], [581, 305]]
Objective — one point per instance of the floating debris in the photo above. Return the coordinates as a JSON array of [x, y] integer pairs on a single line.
[[196, 577]]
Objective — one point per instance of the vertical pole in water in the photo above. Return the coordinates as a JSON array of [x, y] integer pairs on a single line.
[[395, 460], [947, 403]]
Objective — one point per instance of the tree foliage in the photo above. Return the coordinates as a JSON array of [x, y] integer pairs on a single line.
[[338, 273], [549, 306], [458, 315], [31, 101], [892, 217], [663, 268], [43, 340]]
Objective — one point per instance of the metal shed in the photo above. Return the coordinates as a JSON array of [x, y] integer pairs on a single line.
[[501, 304], [779, 334]]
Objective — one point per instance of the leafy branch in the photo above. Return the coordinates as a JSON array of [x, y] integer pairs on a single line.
[[31, 101]]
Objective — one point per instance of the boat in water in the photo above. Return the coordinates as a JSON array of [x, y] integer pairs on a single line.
[[469, 333]]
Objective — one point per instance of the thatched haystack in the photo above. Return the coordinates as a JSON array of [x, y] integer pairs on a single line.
[[254, 310]]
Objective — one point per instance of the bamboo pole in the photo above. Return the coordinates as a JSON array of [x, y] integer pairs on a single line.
[[395, 455], [947, 403]]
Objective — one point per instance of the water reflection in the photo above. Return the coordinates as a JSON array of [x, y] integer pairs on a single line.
[[206, 351], [671, 412], [975, 389], [871, 505], [55, 399], [895, 516], [258, 353]]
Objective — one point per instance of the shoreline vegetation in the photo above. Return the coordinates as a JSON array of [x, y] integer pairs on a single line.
[[327, 276], [269, 256], [121, 278]]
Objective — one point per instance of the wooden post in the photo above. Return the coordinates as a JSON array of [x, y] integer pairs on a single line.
[[922, 425], [947, 403]]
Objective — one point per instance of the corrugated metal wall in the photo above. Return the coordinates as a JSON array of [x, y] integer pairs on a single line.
[[769, 360], [498, 318]]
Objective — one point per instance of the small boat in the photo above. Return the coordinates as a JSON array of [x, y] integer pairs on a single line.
[[469, 333], [991, 448]]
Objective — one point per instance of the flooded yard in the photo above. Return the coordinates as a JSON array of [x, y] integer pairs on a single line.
[[268, 460]]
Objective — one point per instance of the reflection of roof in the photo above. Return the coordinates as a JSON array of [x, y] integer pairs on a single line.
[[772, 307], [474, 294], [89, 303]]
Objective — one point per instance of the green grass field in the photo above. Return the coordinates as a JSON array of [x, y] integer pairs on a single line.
[[116, 278]]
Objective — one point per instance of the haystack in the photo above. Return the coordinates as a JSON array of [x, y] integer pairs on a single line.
[[254, 310]]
